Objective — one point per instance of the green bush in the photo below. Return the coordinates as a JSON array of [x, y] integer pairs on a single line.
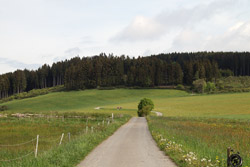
[[145, 107], [33, 93], [180, 87], [199, 85], [233, 84], [3, 108], [210, 87]]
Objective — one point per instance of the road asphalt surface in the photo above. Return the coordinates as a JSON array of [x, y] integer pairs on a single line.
[[130, 146]]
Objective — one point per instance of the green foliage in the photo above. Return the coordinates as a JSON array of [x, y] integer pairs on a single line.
[[3, 108], [180, 87], [145, 107], [210, 87], [33, 93], [234, 84], [144, 111], [199, 85]]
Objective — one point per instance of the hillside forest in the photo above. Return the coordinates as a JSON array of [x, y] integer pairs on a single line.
[[112, 71]]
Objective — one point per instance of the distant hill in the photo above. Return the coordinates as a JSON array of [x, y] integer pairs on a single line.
[[109, 70]]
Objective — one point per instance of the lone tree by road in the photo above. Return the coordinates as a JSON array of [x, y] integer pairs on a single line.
[[145, 107]]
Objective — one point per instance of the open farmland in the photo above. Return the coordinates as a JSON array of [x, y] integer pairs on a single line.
[[18, 139], [169, 102], [87, 100], [234, 106], [203, 125]]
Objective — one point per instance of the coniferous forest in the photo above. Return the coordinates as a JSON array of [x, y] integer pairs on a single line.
[[110, 71]]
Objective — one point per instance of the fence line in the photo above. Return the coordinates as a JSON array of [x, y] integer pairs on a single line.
[[36, 150], [43, 139], [15, 145]]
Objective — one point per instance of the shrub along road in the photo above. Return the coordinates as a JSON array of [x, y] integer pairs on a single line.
[[130, 146]]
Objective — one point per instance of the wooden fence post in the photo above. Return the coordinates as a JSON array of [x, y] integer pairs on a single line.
[[61, 139], [37, 139]]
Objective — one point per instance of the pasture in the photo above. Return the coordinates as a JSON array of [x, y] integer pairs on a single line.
[[18, 138], [194, 126], [169, 102], [86, 101]]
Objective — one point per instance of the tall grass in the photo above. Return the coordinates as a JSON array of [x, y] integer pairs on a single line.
[[201, 141], [69, 153]]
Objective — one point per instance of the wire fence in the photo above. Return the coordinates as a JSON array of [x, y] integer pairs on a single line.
[[35, 141], [20, 144]]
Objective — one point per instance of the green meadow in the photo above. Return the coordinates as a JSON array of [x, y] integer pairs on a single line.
[[19, 137], [86, 101], [169, 102], [196, 127]]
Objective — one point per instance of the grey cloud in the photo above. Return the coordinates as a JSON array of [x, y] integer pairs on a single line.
[[18, 65], [143, 28], [72, 52], [236, 38], [87, 40], [188, 40]]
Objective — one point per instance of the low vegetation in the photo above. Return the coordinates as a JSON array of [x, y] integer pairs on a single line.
[[18, 138], [32, 93], [197, 142], [145, 107], [3, 108], [222, 85], [233, 84]]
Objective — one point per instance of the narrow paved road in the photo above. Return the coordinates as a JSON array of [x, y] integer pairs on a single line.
[[130, 146]]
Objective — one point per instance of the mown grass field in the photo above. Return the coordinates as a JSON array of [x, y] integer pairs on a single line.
[[87, 100], [169, 102], [16, 136], [234, 106]]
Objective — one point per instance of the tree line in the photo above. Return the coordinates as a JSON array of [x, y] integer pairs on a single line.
[[109, 70]]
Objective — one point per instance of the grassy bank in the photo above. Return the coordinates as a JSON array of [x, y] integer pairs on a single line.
[[201, 141], [87, 100], [69, 153], [169, 102]]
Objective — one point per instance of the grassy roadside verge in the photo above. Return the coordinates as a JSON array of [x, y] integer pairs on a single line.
[[70, 153], [198, 142]]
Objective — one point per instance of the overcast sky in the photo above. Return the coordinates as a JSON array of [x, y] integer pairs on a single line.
[[34, 32]]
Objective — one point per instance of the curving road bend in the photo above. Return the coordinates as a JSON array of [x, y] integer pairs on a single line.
[[130, 146]]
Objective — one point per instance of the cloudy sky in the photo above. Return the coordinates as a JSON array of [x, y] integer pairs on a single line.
[[34, 32]]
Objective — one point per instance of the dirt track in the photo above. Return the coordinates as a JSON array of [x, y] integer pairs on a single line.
[[130, 146]]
